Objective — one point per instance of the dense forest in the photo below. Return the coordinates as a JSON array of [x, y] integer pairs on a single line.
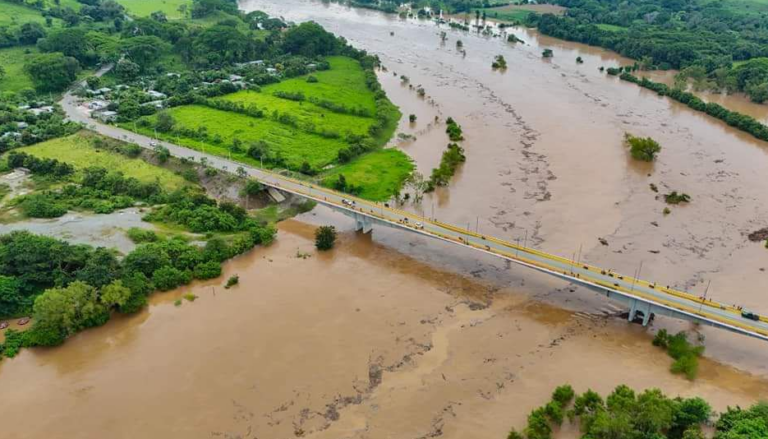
[[718, 44]]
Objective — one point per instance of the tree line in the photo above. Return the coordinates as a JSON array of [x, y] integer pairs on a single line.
[[627, 414]]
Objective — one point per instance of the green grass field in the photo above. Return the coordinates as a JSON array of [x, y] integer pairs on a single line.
[[380, 174], [519, 13], [513, 15], [78, 150], [295, 145], [14, 14], [305, 112], [143, 8], [343, 84], [12, 60]]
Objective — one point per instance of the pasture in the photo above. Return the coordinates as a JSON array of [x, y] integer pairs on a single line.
[[79, 150], [143, 8], [12, 61], [305, 112], [380, 174], [294, 145], [343, 84]]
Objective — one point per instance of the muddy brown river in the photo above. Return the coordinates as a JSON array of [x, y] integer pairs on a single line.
[[397, 336]]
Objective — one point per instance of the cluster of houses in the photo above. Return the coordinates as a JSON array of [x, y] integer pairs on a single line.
[[99, 106], [37, 110], [101, 99]]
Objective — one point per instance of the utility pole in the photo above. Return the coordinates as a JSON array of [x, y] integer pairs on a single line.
[[701, 305], [637, 274]]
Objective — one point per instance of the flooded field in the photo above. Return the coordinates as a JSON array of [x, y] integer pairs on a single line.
[[398, 336]]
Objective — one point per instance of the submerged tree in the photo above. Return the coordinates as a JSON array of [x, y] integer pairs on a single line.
[[325, 238], [499, 63], [644, 149]]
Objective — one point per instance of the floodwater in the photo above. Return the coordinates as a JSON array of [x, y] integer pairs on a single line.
[[396, 335], [546, 163], [359, 342]]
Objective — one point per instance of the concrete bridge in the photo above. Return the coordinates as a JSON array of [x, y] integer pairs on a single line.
[[644, 299]]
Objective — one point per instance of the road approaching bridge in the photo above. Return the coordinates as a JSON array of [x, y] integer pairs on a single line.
[[643, 298]]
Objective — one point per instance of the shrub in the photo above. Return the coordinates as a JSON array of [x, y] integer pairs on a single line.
[[325, 238], [41, 206], [563, 395], [454, 130], [139, 235], [499, 62], [675, 198], [14, 340], [131, 150], [207, 270], [167, 278], [685, 354], [232, 281], [644, 149]]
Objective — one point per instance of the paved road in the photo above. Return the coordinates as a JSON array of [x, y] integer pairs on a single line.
[[680, 304]]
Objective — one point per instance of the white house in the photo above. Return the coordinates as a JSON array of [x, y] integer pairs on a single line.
[[157, 104], [97, 105], [105, 116], [41, 110], [13, 134], [156, 94]]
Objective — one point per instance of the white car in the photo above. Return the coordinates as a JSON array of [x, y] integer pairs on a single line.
[[152, 143]]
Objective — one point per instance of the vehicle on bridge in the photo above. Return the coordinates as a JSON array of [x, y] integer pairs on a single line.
[[750, 315]]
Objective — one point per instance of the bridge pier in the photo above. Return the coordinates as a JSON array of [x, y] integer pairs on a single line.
[[363, 223], [642, 307]]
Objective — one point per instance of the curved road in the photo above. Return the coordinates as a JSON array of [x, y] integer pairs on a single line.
[[642, 295]]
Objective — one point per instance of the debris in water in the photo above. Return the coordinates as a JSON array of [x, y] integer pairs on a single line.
[[759, 235]]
